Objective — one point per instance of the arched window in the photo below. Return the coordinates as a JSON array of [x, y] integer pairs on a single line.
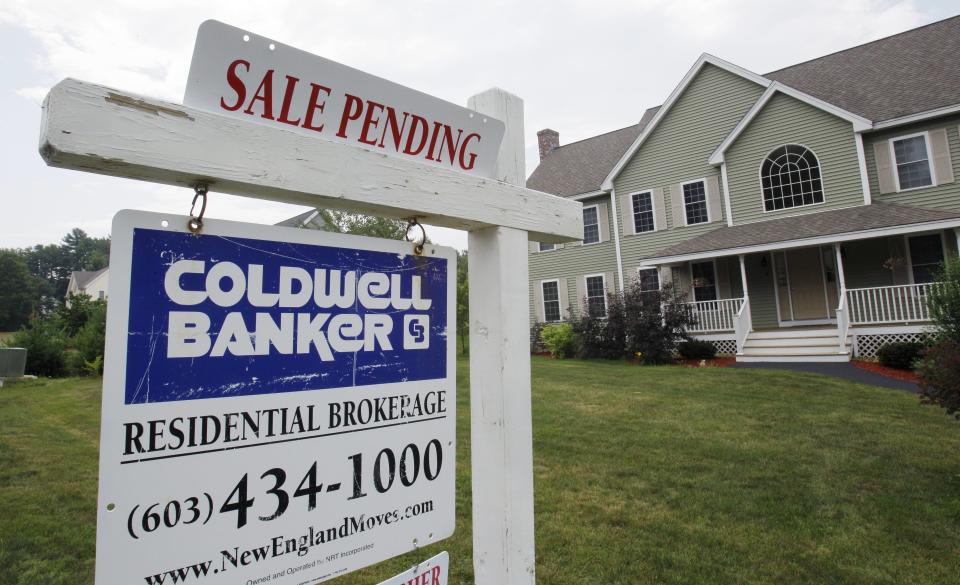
[[790, 176]]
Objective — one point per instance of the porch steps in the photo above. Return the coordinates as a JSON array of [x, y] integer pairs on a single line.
[[798, 345]]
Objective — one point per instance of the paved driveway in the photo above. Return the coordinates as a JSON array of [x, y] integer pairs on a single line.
[[839, 370]]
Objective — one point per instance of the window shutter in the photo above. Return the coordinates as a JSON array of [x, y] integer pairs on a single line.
[[659, 209], [714, 204], [666, 275], [881, 152], [564, 299], [581, 294], [676, 203], [538, 302], [626, 212], [603, 221], [942, 165], [608, 282]]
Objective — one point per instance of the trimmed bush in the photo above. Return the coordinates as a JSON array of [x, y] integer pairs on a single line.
[[45, 346], [559, 339], [900, 355], [696, 349], [939, 371]]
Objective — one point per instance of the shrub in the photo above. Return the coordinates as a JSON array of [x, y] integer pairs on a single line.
[[90, 339], [939, 371], [900, 355], [535, 344], [944, 301], [644, 324], [696, 349], [74, 364], [45, 346], [559, 339]]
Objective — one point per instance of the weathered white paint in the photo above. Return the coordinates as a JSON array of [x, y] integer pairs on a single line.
[[96, 129], [501, 433]]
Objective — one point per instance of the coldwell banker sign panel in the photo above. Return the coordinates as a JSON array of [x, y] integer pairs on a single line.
[[278, 404]]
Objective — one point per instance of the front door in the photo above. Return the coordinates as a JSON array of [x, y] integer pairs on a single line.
[[801, 286]]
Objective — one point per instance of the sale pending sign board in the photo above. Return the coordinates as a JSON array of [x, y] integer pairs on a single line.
[[278, 404], [240, 74]]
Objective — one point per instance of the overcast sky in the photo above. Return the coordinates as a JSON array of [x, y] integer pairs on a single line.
[[583, 67]]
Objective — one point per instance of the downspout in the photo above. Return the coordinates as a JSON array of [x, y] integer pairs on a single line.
[[616, 236]]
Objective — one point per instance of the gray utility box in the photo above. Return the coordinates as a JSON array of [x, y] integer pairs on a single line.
[[13, 360]]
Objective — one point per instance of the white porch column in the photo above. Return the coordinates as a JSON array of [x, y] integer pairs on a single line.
[[501, 433], [743, 275], [840, 277]]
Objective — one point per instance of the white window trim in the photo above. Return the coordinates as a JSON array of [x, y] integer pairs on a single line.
[[543, 300], [656, 270], [553, 249], [893, 157], [597, 207], [586, 291], [716, 287], [823, 183], [683, 201], [653, 208]]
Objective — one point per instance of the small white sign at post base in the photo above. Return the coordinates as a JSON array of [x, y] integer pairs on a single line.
[[432, 571], [278, 404]]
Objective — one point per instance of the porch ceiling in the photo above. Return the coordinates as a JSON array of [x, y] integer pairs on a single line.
[[853, 223]]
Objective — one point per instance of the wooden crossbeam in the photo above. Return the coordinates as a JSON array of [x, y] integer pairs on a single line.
[[93, 128]]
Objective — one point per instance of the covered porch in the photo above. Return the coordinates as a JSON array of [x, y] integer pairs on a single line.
[[824, 297]]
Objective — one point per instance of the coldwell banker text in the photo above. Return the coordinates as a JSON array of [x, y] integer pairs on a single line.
[[306, 327]]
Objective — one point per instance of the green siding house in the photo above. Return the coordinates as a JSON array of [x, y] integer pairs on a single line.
[[803, 212]]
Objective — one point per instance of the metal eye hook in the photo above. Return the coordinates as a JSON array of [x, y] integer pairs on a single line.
[[417, 243], [195, 223]]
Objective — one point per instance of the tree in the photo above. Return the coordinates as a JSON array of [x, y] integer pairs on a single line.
[[358, 224], [463, 301], [939, 368], [18, 291]]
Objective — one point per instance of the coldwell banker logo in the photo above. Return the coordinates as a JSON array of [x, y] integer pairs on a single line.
[[213, 316]]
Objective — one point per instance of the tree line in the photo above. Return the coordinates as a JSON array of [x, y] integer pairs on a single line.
[[33, 280]]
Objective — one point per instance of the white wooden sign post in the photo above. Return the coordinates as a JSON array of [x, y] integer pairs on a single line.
[[96, 129]]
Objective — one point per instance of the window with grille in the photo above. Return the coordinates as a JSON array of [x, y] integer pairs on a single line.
[[695, 202], [913, 162], [704, 281], [649, 279], [643, 212], [591, 227], [926, 255], [596, 296], [551, 301], [790, 176]]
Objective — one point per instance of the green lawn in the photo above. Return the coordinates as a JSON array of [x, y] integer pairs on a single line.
[[643, 475]]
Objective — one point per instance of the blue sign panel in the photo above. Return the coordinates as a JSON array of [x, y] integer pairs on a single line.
[[214, 316]]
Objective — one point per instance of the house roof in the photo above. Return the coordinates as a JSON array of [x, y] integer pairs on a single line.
[[308, 219], [85, 277], [863, 218], [907, 73], [580, 167], [858, 80]]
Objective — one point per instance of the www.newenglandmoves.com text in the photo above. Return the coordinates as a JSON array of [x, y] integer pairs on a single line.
[[277, 546]]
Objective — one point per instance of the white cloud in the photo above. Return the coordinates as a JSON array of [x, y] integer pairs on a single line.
[[582, 66]]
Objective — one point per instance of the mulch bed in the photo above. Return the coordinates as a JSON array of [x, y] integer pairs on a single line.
[[720, 362], [905, 375]]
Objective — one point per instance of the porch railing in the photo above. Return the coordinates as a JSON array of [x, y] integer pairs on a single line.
[[713, 316], [889, 304], [742, 325]]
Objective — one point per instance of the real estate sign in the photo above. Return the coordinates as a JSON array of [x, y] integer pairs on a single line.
[[278, 404], [238, 73]]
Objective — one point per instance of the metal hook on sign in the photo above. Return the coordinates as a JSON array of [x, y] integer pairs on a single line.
[[417, 242], [195, 223]]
